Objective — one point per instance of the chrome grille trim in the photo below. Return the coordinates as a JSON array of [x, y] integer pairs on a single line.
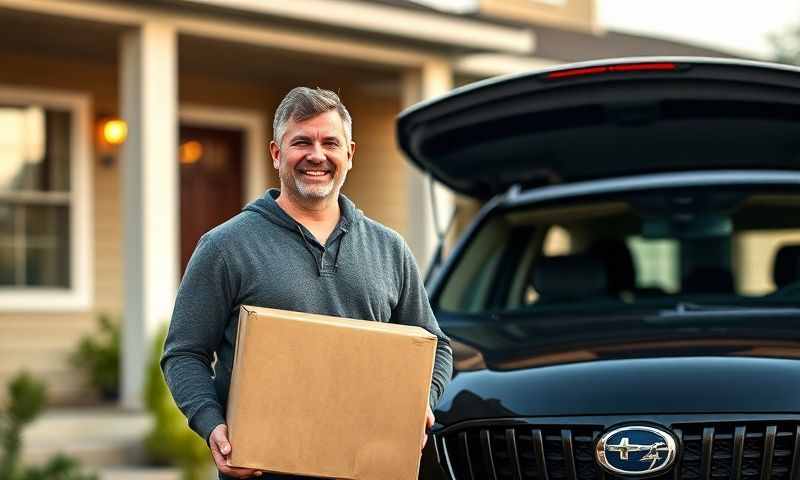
[[749, 450], [511, 442]]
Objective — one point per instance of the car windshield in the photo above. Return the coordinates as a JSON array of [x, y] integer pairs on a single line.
[[645, 250]]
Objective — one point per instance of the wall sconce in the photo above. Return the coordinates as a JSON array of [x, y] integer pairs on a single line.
[[191, 152], [111, 133]]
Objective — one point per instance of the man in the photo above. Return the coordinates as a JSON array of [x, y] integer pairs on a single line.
[[305, 248]]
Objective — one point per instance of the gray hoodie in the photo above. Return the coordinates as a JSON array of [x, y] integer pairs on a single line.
[[265, 258]]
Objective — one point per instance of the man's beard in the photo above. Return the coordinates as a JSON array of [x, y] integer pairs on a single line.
[[294, 181]]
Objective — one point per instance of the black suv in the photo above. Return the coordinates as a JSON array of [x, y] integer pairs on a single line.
[[626, 302]]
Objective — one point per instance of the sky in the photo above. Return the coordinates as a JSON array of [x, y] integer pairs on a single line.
[[738, 26]]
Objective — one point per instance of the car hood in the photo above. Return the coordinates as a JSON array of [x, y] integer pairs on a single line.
[[605, 119], [518, 340], [747, 380]]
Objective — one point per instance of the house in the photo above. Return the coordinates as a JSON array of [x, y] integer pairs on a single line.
[[88, 227]]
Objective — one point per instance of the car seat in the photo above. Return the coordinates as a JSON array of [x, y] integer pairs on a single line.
[[708, 280], [617, 260], [568, 277], [786, 266]]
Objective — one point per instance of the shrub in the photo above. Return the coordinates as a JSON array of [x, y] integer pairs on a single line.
[[60, 467], [99, 357], [26, 398], [171, 441]]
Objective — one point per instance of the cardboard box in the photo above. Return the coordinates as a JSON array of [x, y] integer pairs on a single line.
[[327, 396]]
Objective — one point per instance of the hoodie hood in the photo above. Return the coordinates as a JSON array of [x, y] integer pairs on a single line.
[[267, 207]]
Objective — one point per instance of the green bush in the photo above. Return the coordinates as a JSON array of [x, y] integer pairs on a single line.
[[60, 467], [99, 357], [26, 398], [171, 441]]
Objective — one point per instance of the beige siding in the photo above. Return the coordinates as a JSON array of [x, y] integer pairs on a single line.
[[378, 181], [211, 91], [569, 14], [40, 344]]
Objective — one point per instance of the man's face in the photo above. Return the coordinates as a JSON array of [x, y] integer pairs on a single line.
[[313, 157]]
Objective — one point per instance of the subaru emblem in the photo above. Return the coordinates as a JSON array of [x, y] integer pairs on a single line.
[[636, 450]]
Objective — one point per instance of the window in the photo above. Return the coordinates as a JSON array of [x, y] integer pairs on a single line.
[[45, 243], [34, 213], [756, 253], [656, 263]]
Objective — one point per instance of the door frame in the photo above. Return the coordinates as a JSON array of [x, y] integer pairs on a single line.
[[251, 122]]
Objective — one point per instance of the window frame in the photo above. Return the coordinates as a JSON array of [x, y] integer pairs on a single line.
[[79, 296]]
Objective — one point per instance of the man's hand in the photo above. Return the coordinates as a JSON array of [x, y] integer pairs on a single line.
[[221, 450], [429, 420]]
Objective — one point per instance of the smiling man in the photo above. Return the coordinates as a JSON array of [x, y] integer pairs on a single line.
[[305, 247]]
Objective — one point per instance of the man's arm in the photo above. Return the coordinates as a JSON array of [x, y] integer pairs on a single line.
[[202, 309], [413, 308]]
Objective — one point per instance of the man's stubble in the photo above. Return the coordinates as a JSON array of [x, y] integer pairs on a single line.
[[312, 193]]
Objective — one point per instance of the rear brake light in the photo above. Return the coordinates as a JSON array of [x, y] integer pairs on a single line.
[[631, 67]]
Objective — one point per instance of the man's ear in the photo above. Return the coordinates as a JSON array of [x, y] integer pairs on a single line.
[[275, 153], [350, 155]]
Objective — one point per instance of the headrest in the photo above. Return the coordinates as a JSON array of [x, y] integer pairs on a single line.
[[569, 277], [708, 280], [786, 268], [618, 261]]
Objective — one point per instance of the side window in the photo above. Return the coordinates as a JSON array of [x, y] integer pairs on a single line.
[[469, 284], [657, 264]]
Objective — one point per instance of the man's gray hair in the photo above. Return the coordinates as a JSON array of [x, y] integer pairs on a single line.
[[302, 103]]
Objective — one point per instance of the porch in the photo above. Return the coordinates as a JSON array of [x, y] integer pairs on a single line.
[[127, 218]]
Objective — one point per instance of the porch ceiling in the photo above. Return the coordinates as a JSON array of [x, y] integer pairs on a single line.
[[262, 64], [38, 34]]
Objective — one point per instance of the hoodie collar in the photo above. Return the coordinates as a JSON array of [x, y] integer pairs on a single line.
[[267, 207]]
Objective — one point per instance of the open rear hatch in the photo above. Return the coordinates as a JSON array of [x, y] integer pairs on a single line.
[[607, 119]]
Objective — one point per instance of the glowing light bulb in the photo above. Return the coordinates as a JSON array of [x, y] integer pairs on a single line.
[[115, 132]]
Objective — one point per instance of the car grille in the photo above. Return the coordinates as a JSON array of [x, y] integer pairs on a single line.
[[767, 451]]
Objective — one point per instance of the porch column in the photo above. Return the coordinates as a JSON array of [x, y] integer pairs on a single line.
[[433, 79], [148, 102]]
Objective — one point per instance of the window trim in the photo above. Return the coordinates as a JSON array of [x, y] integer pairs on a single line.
[[79, 296]]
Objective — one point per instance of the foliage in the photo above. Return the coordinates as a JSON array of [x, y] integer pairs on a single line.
[[171, 441], [787, 45], [99, 357], [60, 467], [26, 398]]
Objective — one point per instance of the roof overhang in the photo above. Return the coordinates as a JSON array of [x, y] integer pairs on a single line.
[[419, 25]]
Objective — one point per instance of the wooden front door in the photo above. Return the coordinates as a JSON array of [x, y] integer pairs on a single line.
[[211, 182]]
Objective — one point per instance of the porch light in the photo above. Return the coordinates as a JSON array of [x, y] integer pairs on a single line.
[[115, 131], [191, 152], [111, 133]]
